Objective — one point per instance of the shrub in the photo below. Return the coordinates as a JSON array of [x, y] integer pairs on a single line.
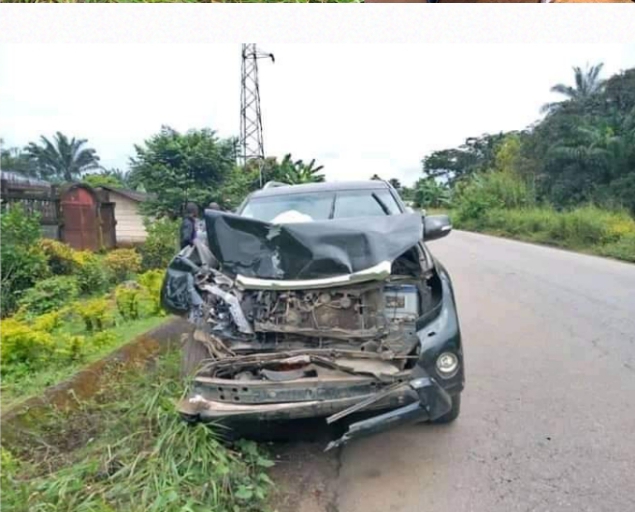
[[48, 322], [483, 192], [48, 295], [70, 347], [60, 256], [127, 298], [122, 262], [623, 249], [103, 339], [91, 274], [23, 344], [23, 261], [161, 243], [151, 282], [94, 313]]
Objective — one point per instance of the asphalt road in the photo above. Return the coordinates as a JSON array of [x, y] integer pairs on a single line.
[[548, 418]]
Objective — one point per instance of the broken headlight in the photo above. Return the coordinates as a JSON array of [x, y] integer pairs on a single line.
[[447, 365]]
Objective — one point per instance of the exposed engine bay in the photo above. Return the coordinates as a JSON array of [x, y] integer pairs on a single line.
[[317, 344], [376, 318]]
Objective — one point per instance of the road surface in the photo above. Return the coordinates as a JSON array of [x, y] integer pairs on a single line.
[[548, 418]]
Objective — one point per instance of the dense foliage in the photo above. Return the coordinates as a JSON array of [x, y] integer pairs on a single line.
[[122, 263], [62, 158], [161, 243], [23, 260], [49, 294], [180, 167], [582, 152]]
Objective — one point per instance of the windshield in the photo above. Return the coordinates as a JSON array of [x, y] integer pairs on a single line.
[[321, 206]]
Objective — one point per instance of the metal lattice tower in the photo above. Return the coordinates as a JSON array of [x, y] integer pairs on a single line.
[[251, 142]]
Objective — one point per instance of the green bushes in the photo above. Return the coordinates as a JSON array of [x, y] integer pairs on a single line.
[[587, 228], [490, 190], [161, 244], [23, 261], [127, 298], [122, 263], [151, 282], [623, 249], [23, 344], [94, 313], [60, 257], [90, 272], [49, 294], [501, 203]]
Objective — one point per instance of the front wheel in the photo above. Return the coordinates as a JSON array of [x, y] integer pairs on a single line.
[[452, 414]]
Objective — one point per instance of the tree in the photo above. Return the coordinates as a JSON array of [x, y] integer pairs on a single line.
[[62, 159], [295, 173], [587, 84], [108, 178], [407, 193], [18, 161], [583, 151], [243, 180], [430, 194], [102, 180], [177, 168], [239, 183], [395, 183], [475, 155], [375, 177]]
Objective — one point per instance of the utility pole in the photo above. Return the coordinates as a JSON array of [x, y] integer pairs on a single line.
[[251, 142]]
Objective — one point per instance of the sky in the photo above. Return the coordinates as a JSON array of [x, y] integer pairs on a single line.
[[358, 110]]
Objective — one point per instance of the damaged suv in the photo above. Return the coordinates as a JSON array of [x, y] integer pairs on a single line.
[[319, 300]]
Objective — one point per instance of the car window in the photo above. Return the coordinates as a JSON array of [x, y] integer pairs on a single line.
[[317, 206], [365, 203]]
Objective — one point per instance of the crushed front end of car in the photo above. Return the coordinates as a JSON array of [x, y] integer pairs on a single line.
[[319, 319]]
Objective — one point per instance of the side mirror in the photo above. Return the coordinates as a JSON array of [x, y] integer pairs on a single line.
[[436, 226]]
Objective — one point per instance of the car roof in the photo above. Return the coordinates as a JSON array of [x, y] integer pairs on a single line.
[[321, 187]]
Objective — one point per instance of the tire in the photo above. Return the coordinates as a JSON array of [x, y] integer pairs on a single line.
[[192, 354], [452, 414]]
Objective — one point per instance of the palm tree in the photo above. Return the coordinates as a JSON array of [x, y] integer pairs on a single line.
[[295, 173], [597, 147], [587, 84], [63, 159]]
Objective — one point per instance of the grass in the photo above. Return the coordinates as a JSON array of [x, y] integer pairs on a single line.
[[127, 450], [586, 229], [19, 385]]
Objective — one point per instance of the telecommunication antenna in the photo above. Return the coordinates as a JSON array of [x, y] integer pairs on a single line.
[[251, 143]]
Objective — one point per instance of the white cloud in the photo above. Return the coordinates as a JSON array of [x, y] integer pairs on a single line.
[[357, 109]]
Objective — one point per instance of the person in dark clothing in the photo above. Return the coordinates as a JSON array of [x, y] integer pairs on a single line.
[[188, 226]]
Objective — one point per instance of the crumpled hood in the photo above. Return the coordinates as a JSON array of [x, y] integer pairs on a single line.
[[308, 250]]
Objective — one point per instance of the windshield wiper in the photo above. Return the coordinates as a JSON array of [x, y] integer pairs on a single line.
[[381, 204]]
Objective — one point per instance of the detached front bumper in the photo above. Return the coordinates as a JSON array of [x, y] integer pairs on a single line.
[[417, 398]]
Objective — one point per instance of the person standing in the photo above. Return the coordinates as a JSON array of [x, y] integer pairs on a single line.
[[188, 226]]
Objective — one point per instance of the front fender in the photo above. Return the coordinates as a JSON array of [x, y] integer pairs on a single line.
[[439, 331]]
